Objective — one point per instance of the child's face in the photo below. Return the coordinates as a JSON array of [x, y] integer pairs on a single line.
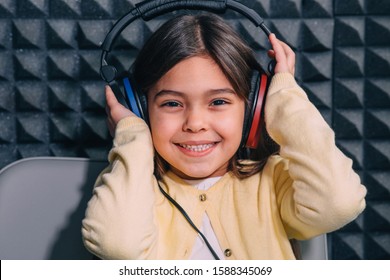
[[196, 118]]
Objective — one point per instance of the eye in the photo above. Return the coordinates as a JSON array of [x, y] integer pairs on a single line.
[[171, 104], [218, 102]]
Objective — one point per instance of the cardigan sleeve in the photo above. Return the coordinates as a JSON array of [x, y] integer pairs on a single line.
[[119, 220], [317, 190]]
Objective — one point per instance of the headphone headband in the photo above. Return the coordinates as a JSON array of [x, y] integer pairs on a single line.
[[152, 8]]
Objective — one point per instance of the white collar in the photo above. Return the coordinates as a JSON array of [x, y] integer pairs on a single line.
[[203, 184]]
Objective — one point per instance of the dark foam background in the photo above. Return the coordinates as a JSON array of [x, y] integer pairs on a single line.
[[52, 102]]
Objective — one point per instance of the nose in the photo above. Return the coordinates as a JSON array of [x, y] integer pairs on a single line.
[[196, 120]]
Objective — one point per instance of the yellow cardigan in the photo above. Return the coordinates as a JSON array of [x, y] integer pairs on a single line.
[[308, 190]]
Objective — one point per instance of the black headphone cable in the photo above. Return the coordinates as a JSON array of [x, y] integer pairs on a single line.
[[184, 213]]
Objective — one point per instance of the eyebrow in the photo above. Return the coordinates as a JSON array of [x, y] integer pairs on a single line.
[[179, 93]]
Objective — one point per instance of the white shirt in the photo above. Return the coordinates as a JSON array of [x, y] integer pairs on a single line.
[[200, 250]]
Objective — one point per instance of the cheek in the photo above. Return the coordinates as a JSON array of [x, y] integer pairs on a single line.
[[228, 126], [232, 125], [234, 132], [236, 120], [162, 130]]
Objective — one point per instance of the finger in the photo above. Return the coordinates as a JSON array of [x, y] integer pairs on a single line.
[[111, 103], [279, 55], [108, 102], [110, 97], [284, 55], [277, 49], [271, 54], [286, 49], [289, 53]]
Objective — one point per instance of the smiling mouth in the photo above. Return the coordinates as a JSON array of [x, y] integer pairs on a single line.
[[197, 148]]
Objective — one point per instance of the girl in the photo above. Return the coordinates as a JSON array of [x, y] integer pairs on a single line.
[[195, 72]]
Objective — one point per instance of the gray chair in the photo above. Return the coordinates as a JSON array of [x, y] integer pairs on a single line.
[[42, 203]]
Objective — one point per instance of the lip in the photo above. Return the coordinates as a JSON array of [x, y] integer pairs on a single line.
[[196, 149]]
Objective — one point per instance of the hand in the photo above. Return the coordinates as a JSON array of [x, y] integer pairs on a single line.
[[115, 111], [283, 54]]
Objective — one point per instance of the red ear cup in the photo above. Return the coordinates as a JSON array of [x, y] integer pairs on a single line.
[[260, 91]]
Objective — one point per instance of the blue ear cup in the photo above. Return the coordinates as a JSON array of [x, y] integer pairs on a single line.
[[132, 98], [135, 98]]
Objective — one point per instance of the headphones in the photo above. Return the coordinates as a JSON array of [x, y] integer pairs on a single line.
[[147, 10]]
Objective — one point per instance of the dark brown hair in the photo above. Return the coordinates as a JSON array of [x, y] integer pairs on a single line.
[[203, 35]]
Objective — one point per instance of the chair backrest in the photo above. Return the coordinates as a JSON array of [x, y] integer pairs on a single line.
[[42, 203], [315, 248]]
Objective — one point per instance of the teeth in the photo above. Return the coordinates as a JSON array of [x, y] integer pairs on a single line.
[[197, 148]]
